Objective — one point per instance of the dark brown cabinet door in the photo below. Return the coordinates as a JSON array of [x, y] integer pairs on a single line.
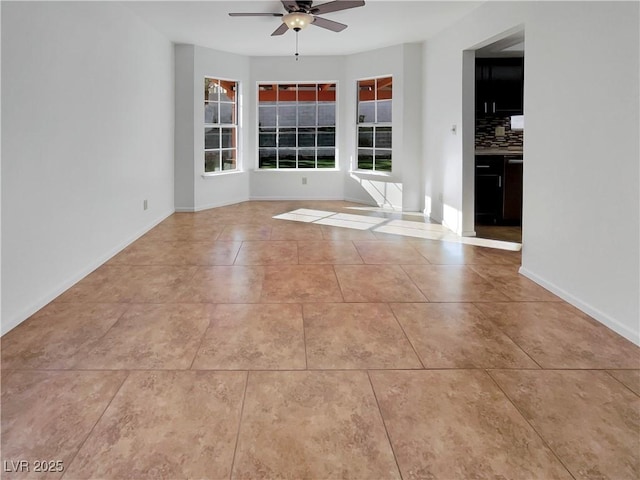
[[499, 86], [512, 205], [488, 189]]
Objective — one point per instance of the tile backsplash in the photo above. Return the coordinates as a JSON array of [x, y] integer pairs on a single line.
[[486, 133]]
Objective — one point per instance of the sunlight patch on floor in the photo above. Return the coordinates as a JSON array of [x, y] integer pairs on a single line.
[[405, 228]]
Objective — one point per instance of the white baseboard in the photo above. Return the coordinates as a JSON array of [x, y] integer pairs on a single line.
[[373, 203], [75, 278], [431, 217], [360, 201], [296, 199], [208, 206], [606, 320]]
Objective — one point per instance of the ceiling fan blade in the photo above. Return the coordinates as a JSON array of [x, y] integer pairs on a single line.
[[290, 5], [336, 6], [328, 24], [256, 14], [281, 30]]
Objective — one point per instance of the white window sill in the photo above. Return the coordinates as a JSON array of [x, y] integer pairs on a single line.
[[306, 170], [371, 172], [209, 175]]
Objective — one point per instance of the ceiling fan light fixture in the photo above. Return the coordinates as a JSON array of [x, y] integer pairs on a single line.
[[297, 20]]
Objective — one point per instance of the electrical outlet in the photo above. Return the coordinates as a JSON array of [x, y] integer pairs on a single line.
[[304, 180], [145, 204]]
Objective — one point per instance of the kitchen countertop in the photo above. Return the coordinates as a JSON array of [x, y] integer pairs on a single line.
[[498, 151]]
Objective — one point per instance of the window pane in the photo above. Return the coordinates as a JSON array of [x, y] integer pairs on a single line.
[[306, 137], [384, 111], [211, 138], [228, 138], [307, 92], [366, 112], [365, 159], [267, 158], [287, 137], [327, 92], [210, 112], [326, 158], [327, 137], [366, 90], [384, 88], [227, 113], [229, 159], [365, 136], [307, 158], [287, 115], [267, 116], [266, 93], [383, 160], [287, 158], [383, 137], [326, 114], [306, 115], [291, 134], [228, 91], [267, 137], [211, 89], [212, 161], [287, 93]]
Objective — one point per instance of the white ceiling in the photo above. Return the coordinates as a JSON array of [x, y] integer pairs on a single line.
[[377, 24]]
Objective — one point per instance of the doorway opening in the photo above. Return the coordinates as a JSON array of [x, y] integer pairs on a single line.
[[493, 151]]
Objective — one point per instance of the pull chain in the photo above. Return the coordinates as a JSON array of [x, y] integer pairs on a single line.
[[297, 54]]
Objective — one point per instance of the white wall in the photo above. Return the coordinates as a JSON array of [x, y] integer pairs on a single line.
[[195, 190], [184, 141], [87, 108], [402, 189], [217, 190], [321, 185], [581, 209]]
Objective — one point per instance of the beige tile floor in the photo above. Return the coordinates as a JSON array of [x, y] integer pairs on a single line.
[[229, 344]]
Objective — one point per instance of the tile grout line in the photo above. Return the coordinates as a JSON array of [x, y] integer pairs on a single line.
[[204, 334], [235, 448], [372, 369], [66, 469], [384, 424], [620, 381], [405, 335], [544, 441], [506, 335], [415, 285], [353, 243], [335, 274], [237, 253], [304, 338], [97, 341]]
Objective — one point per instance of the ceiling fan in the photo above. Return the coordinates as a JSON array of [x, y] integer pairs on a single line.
[[301, 13]]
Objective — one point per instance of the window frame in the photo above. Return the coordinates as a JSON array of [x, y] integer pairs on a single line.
[[235, 139], [374, 125], [296, 128]]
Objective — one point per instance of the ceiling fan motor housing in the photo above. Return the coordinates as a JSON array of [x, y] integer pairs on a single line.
[[304, 6]]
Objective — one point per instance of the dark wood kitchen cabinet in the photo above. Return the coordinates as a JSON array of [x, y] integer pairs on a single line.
[[512, 195], [488, 189], [499, 86], [498, 189]]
